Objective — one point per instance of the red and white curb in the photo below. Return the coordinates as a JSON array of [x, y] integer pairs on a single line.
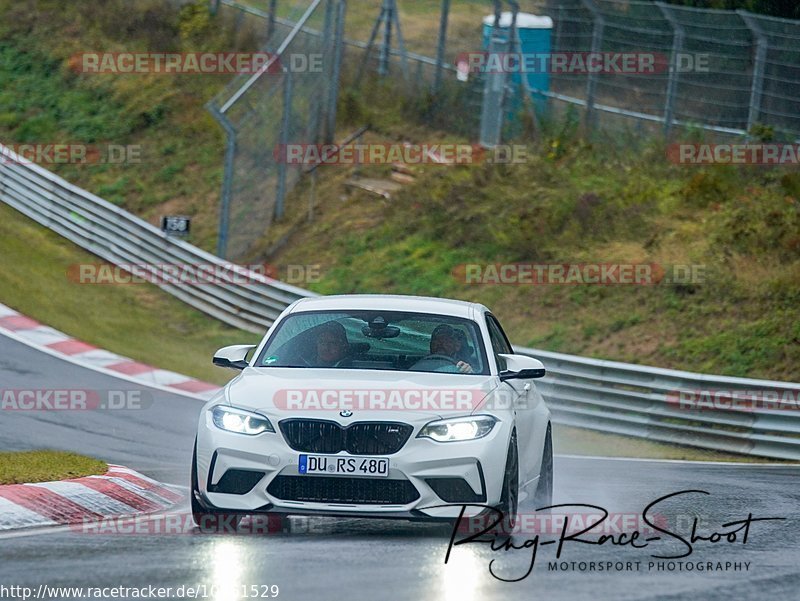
[[120, 492], [57, 343]]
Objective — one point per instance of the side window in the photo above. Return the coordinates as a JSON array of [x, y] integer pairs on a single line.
[[499, 341]]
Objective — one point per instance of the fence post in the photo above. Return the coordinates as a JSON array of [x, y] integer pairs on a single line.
[[333, 90], [557, 36], [374, 34], [388, 14], [437, 81], [401, 43], [227, 182], [757, 86], [320, 106], [273, 8], [672, 86], [213, 7], [286, 124], [492, 113], [597, 45]]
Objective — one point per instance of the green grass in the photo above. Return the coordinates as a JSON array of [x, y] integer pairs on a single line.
[[46, 466], [137, 321]]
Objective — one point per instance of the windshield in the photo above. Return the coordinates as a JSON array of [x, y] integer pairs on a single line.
[[393, 341]]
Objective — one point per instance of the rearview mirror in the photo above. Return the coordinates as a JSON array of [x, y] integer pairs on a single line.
[[380, 331], [521, 367], [234, 356]]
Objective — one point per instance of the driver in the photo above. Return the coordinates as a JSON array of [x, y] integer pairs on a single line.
[[446, 340], [332, 345]]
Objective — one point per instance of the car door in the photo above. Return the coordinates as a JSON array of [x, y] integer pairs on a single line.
[[519, 390]]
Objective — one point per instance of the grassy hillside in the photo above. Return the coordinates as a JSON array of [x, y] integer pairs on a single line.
[[44, 100], [573, 202]]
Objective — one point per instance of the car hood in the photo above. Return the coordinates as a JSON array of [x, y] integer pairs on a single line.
[[370, 395]]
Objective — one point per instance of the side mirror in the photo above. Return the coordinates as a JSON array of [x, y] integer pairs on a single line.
[[522, 367], [234, 356]]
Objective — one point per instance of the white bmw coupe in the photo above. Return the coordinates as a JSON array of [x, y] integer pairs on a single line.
[[375, 406]]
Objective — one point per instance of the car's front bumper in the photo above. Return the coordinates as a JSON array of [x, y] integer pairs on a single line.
[[480, 463]]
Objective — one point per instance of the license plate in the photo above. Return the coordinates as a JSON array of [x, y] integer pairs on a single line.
[[344, 466]]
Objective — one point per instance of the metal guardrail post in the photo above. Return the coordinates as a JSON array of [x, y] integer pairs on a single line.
[[757, 86], [440, 48], [598, 28], [286, 123], [674, 73]]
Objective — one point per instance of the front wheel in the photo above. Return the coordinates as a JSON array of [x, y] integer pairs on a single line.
[[544, 489], [509, 497]]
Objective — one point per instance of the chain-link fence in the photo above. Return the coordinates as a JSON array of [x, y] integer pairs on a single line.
[[729, 72], [725, 71], [293, 98]]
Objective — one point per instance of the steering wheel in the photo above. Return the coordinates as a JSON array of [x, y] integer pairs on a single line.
[[437, 357]]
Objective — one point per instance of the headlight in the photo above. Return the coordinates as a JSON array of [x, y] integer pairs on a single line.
[[239, 421], [460, 428]]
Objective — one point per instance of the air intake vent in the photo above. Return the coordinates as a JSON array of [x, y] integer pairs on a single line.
[[454, 490], [331, 489], [237, 482]]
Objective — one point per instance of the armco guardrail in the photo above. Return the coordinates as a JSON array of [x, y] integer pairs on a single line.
[[601, 395], [115, 235], [673, 406]]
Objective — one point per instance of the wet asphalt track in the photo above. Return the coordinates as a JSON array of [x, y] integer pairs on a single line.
[[349, 559]]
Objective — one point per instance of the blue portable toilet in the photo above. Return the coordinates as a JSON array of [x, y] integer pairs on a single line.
[[535, 34]]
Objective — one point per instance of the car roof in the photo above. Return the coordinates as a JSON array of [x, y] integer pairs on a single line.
[[391, 302]]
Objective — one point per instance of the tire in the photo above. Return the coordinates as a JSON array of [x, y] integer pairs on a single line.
[[209, 519], [544, 489], [509, 498]]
